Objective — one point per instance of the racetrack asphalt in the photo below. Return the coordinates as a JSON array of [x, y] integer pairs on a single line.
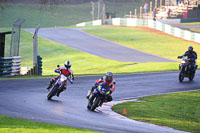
[[26, 98], [79, 40]]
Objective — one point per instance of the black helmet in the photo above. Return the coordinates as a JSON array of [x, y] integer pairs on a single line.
[[67, 64], [109, 76], [190, 48]]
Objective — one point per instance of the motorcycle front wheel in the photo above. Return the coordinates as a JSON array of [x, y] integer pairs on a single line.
[[52, 92], [181, 77], [95, 103]]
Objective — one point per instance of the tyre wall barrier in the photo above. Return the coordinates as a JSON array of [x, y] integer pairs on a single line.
[[177, 32], [10, 66]]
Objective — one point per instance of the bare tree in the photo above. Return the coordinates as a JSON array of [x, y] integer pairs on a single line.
[[44, 4], [2, 5]]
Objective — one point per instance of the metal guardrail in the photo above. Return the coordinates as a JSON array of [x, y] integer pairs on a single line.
[[10, 66]]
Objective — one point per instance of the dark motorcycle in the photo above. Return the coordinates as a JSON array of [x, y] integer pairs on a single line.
[[186, 68], [98, 97]]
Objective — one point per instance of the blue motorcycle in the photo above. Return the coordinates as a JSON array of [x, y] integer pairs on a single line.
[[99, 95], [58, 85]]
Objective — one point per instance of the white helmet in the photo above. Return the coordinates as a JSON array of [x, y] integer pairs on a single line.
[[67, 64], [109, 76]]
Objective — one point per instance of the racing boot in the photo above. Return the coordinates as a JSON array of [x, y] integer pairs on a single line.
[[58, 93], [60, 90], [50, 85], [91, 100], [89, 93]]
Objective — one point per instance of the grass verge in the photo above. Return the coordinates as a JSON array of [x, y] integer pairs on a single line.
[[14, 125], [195, 30], [82, 63], [146, 39], [176, 110], [67, 14], [192, 23]]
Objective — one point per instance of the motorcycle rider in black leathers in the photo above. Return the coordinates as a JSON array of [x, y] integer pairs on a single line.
[[192, 55]]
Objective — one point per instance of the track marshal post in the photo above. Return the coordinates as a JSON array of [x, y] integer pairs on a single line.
[[37, 60]]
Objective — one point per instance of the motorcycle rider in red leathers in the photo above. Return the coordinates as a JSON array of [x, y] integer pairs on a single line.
[[66, 71], [107, 79]]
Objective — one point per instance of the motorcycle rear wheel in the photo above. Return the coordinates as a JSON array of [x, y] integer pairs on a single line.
[[191, 77]]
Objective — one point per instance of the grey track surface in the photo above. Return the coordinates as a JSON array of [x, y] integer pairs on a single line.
[[82, 41], [27, 99]]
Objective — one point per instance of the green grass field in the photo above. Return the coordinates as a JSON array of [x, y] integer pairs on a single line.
[[176, 110], [82, 63], [61, 15], [13, 125], [195, 30], [192, 23], [85, 64], [146, 40]]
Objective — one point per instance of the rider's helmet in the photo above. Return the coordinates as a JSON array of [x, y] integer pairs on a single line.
[[67, 64], [190, 48], [109, 76]]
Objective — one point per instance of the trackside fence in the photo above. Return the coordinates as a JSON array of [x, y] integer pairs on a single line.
[[177, 32], [10, 66]]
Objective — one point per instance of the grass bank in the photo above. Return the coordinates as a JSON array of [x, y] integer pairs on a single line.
[[82, 63], [61, 15], [176, 110], [13, 125], [192, 23], [195, 30], [146, 39], [45, 16]]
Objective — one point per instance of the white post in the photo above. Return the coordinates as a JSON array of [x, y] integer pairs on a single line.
[[150, 6], [98, 10], [156, 3], [104, 13], [135, 12], [160, 3], [141, 12], [92, 12]]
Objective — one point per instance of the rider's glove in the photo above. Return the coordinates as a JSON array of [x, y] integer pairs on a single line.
[[57, 71], [96, 84], [71, 81], [179, 57]]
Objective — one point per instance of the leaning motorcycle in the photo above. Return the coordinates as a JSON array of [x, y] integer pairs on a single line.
[[99, 95], [57, 86], [186, 69]]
